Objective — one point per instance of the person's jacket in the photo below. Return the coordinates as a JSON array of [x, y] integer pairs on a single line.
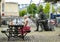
[[42, 16]]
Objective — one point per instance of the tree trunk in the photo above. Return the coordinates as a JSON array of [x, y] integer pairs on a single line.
[[0, 13], [0, 19]]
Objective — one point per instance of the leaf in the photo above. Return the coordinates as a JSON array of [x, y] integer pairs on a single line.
[[47, 9], [32, 8], [22, 12]]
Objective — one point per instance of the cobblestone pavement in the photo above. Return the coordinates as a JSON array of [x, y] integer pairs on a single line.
[[45, 36]]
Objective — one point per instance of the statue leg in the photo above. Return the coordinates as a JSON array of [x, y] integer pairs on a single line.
[[42, 27], [37, 25]]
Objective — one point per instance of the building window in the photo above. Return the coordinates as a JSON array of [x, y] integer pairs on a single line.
[[2, 7]]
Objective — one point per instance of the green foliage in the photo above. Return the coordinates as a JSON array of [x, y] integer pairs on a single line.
[[59, 9], [54, 1], [0, 0], [22, 12], [47, 9], [53, 10], [39, 8], [29, 9], [32, 9], [48, 0]]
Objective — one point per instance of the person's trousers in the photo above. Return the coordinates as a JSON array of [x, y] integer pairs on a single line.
[[39, 24], [43, 25]]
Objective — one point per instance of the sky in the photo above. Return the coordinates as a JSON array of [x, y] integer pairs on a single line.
[[24, 1]]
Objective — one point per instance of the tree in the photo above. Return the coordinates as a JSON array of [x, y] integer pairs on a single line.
[[54, 1], [47, 9], [22, 12], [39, 8], [32, 9], [0, 0], [53, 10], [29, 9], [59, 9]]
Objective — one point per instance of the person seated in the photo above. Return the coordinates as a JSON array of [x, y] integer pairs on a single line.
[[26, 27], [10, 22], [26, 23]]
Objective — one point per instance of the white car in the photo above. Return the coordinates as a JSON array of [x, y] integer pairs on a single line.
[[18, 21]]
